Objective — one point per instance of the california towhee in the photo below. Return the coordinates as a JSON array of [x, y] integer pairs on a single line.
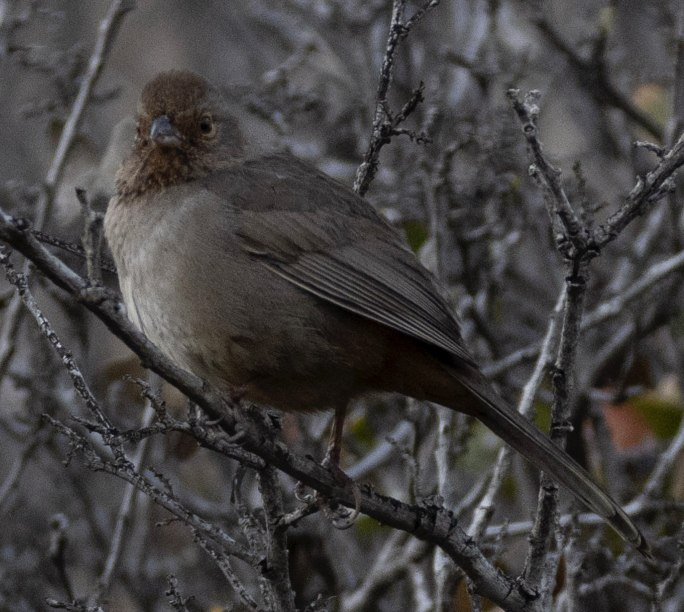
[[267, 276]]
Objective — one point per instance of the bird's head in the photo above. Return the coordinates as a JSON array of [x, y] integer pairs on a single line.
[[184, 131]]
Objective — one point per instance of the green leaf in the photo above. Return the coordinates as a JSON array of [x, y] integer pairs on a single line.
[[362, 431], [663, 414], [416, 234]]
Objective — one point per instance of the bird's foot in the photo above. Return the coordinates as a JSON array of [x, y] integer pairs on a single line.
[[301, 495], [340, 516]]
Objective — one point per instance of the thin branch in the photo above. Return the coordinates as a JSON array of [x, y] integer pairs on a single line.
[[656, 184], [540, 565], [93, 233], [617, 305], [11, 325], [565, 224], [669, 581], [637, 508], [107, 32], [176, 600], [390, 564], [278, 574], [20, 463], [75, 249], [623, 582], [223, 562], [123, 516], [123, 468], [610, 309], [384, 125], [19, 281], [57, 551], [384, 451], [74, 606], [593, 75]]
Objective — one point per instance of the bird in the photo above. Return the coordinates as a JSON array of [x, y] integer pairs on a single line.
[[271, 280]]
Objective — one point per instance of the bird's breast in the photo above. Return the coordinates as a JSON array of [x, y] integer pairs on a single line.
[[174, 273]]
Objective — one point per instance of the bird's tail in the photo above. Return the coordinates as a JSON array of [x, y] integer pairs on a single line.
[[518, 431]]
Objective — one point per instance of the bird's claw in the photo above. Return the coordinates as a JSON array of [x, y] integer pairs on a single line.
[[300, 495], [340, 516]]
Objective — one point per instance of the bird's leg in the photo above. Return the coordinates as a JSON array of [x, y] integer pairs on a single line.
[[332, 462], [341, 518], [332, 454], [236, 394]]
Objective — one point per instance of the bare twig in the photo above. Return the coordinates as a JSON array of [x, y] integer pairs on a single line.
[[123, 469], [57, 551], [123, 516], [176, 600], [384, 124], [19, 465], [278, 574], [540, 566], [639, 507], [77, 378], [623, 582], [93, 233], [674, 572], [395, 557], [610, 309], [578, 245], [567, 228], [223, 562], [384, 451], [11, 325], [74, 606], [70, 247], [593, 74], [107, 32], [656, 184], [650, 277]]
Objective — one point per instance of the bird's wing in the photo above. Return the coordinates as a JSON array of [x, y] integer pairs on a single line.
[[322, 237]]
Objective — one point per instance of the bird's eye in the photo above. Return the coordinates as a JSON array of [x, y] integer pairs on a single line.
[[207, 126]]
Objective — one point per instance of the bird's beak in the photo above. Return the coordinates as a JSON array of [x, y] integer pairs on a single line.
[[164, 133]]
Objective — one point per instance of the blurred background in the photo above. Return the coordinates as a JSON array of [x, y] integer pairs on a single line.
[[303, 75]]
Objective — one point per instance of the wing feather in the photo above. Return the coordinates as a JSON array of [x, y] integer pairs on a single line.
[[370, 297], [322, 237]]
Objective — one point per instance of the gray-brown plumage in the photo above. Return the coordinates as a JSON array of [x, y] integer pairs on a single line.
[[268, 277]]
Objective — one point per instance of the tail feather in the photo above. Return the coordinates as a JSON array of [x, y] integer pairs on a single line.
[[520, 433]]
